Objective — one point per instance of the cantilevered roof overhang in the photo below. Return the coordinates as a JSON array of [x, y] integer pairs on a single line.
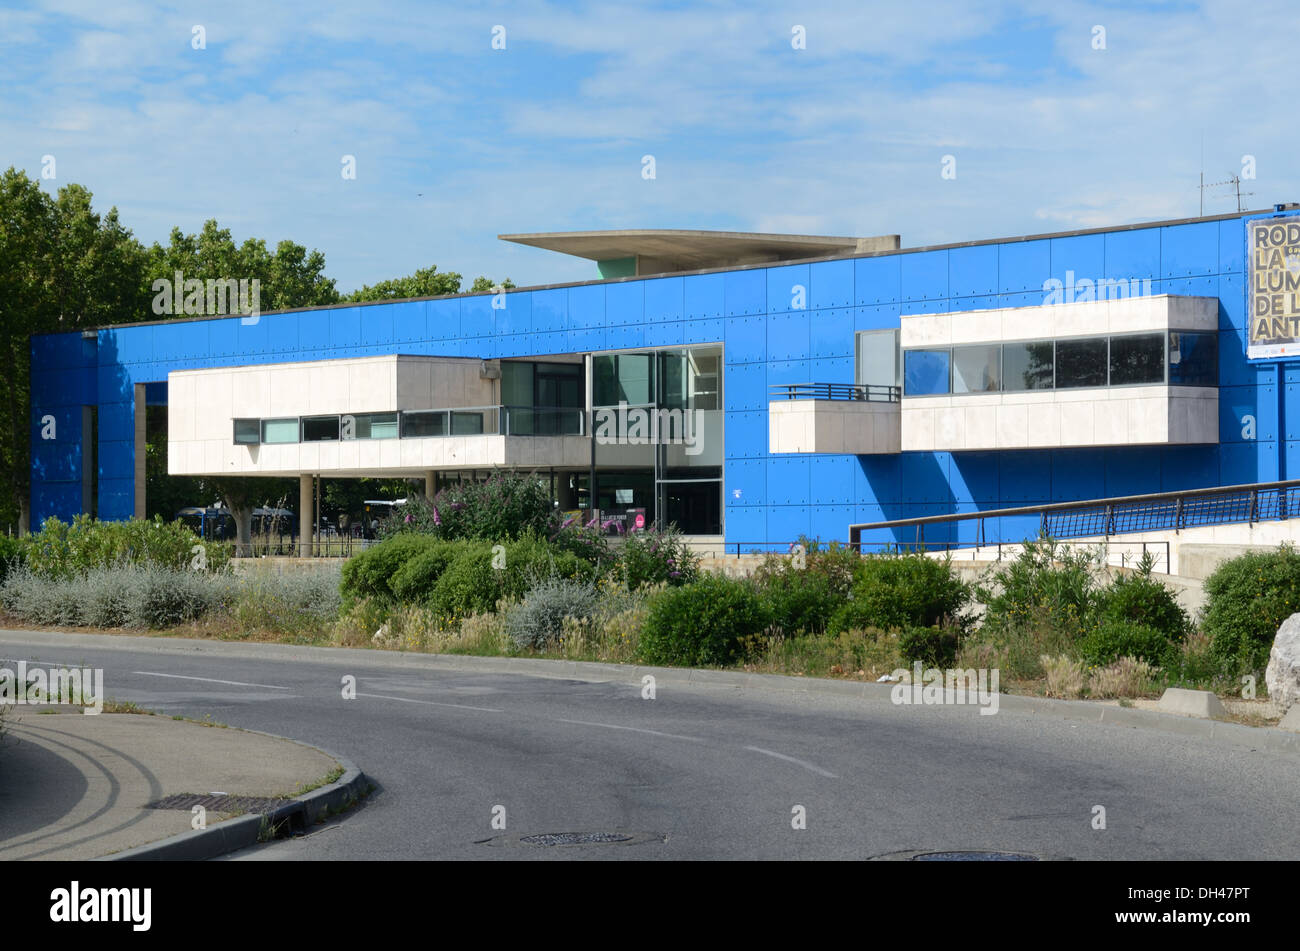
[[658, 251]]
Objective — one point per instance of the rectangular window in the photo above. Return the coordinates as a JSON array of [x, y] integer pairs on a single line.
[[1081, 362], [320, 428], [1193, 359], [279, 430], [370, 426], [424, 424], [466, 424], [1027, 366], [248, 432], [977, 369], [1137, 359], [925, 372]]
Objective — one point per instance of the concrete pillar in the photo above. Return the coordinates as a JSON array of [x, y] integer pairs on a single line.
[[141, 409], [306, 515], [430, 484], [564, 494], [87, 460]]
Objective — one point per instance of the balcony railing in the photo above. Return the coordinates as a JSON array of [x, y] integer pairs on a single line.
[[414, 424], [871, 392]]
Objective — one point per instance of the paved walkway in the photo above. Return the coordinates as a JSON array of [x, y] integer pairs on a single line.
[[77, 787]]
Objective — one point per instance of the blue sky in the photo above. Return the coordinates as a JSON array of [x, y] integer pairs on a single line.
[[456, 142]]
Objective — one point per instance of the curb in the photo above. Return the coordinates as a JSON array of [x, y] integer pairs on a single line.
[[243, 831]]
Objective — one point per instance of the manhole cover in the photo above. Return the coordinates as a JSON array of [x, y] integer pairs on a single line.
[[974, 857], [963, 855], [575, 838], [220, 803]]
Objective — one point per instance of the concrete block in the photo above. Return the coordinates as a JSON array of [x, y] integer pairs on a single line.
[[1291, 722], [1192, 703]]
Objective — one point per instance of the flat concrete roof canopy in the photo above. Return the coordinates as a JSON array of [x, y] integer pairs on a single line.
[[663, 250]]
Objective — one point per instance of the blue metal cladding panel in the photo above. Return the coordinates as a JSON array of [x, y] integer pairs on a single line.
[[56, 460], [787, 523], [113, 384], [550, 309], [442, 319], [1232, 302], [787, 288], [1188, 467], [746, 292], [1190, 250], [1232, 246], [282, 333], [878, 280], [877, 481], [973, 272], [477, 318], [746, 481], [746, 434], [830, 334], [625, 303], [61, 500], [409, 321], [1240, 464], [1130, 255], [784, 372], [704, 296], [831, 480], [1238, 406], [587, 307], [1084, 254], [830, 523], [745, 523], [665, 299], [1078, 474], [1023, 266], [787, 337], [833, 370], [377, 324], [924, 478], [885, 317], [745, 339], [671, 334], [788, 480], [745, 387], [1024, 477], [973, 477], [345, 328], [1132, 470], [623, 338], [1234, 368], [925, 276], [705, 331], [516, 317], [116, 499], [831, 285], [1292, 412]]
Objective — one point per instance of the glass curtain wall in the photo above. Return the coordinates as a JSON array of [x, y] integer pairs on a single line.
[[657, 428]]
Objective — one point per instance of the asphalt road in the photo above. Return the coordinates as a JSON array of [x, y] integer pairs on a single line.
[[699, 771]]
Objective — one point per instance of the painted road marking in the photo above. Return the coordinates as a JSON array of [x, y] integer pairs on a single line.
[[430, 703], [790, 759], [208, 680], [632, 729]]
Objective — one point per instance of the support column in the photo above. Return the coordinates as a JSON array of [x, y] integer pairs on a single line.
[[430, 484], [306, 516], [88, 460], [141, 411]]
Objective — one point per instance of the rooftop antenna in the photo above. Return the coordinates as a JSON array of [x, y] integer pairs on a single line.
[[1234, 181]]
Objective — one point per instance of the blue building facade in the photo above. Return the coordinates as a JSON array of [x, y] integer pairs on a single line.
[[769, 337]]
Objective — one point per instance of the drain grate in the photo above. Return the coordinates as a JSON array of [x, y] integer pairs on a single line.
[[575, 838], [220, 803]]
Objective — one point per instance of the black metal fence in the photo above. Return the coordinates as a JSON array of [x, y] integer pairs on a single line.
[[875, 393]]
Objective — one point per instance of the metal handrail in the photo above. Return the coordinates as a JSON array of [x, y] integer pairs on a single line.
[[1214, 505], [863, 392]]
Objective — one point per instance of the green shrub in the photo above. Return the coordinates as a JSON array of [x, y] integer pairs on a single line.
[[59, 550], [1046, 584], [656, 556], [537, 622], [587, 541], [703, 623], [899, 591], [505, 506], [291, 602], [414, 581], [1247, 599], [145, 596], [798, 599], [932, 646], [13, 554], [1114, 638], [1140, 599], [470, 585], [370, 573]]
